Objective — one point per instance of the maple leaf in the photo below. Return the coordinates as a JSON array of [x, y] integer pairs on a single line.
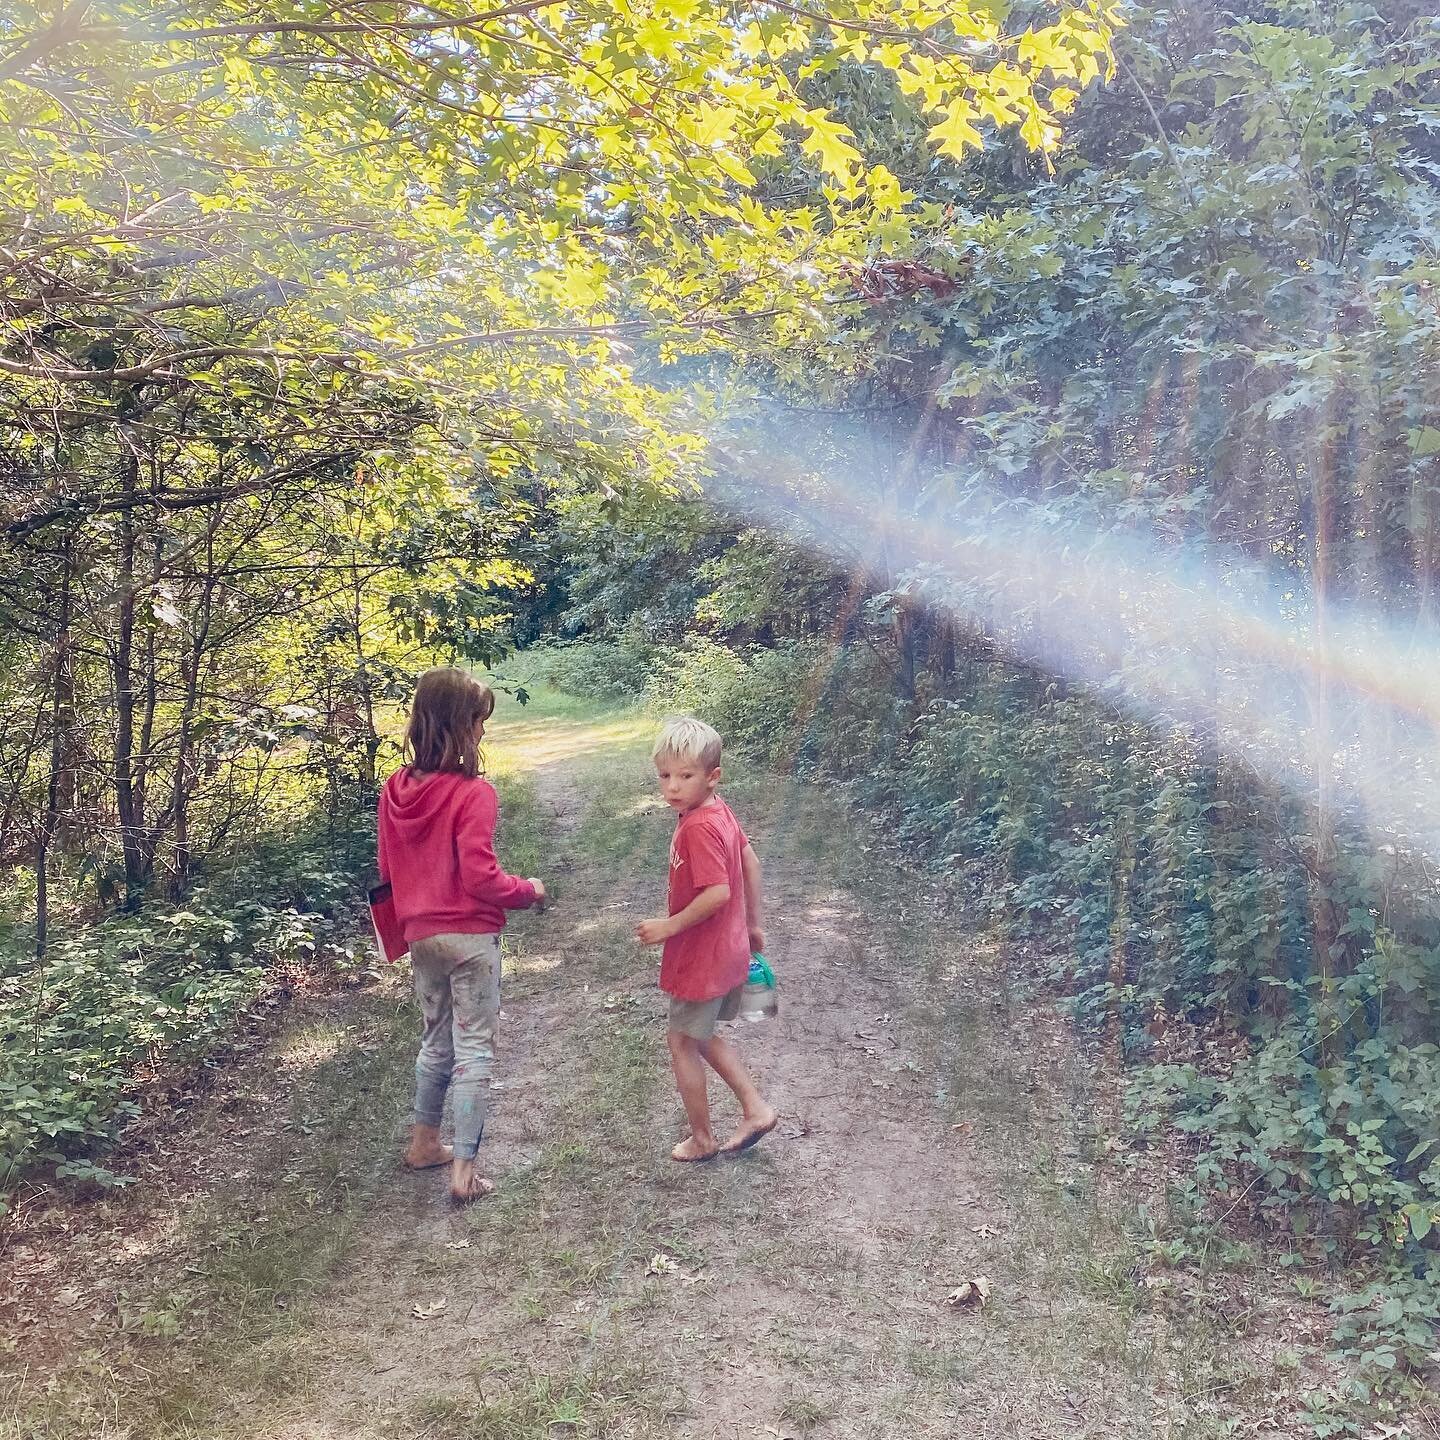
[[955, 135]]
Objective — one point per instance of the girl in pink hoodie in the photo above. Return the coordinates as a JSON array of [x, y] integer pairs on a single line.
[[437, 850]]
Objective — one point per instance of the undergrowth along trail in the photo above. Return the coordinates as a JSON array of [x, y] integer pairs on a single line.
[[276, 1274]]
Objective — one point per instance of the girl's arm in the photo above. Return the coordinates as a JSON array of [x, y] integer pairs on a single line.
[[381, 818], [480, 874]]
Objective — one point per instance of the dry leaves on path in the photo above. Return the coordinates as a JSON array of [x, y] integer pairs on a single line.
[[969, 1293]]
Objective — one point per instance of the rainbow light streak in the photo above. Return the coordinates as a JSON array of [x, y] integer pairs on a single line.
[[1179, 635]]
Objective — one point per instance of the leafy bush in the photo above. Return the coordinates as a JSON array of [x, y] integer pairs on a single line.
[[114, 1000], [758, 699], [600, 669]]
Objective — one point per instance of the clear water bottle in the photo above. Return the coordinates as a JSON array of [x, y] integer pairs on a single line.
[[760, 999]]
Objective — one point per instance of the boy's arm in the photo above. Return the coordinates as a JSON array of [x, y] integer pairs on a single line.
[[702, 907], [750, 864]]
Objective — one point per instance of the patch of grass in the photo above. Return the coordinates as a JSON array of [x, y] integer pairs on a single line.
[[939, 1364], [602, 1399], [803, 1412], [1110, 1278], [626, 823]]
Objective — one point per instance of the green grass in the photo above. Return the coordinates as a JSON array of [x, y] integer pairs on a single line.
[[514, 1402], [803, 1412], [235, 1315]]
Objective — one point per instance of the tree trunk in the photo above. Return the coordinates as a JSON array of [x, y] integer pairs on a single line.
[[1328, 945], [122, 665], [61, 727], [368, 775], [149, 836], [186, 772]]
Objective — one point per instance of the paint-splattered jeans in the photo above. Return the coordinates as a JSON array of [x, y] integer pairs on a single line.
[[457, 981]]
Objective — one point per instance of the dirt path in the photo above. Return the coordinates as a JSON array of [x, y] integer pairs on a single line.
[[927, 1141]]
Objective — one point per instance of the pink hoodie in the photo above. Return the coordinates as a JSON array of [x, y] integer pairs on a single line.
[[437, 850]]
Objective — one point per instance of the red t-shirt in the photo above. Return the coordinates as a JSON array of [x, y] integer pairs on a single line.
[[712, 957]]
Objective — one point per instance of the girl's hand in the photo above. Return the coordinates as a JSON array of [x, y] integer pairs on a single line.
[[652, 932], [757, 940], [540, 895]]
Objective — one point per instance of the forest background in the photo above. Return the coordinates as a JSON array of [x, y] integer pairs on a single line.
[[1073, 499]]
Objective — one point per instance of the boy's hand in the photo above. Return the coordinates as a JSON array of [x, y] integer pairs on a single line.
[[653, 932], [757, 940], [540, 896]]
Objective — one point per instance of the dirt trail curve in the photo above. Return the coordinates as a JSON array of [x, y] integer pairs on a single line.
[[797, 1290]]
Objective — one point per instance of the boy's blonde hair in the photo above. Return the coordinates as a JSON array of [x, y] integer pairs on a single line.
[[687, 738]]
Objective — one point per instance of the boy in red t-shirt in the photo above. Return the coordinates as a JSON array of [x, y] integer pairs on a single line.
[[713, 925]]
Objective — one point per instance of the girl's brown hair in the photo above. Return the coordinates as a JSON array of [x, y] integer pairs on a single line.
[[448, 705]]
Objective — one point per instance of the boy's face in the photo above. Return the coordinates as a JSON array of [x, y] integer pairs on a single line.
[[685, 784]]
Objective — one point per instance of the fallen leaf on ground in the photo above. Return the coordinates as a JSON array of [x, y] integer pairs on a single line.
[[969, 1292], [457, 1244], [661, 1264], [964, 1128], [427, 1312]]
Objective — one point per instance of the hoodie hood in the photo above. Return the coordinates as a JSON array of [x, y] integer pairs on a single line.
[[417, 803]]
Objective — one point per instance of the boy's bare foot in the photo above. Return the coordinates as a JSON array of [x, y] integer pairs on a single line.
[[690, 1149], [466, 1184], [751, 1132], [425, 1151]]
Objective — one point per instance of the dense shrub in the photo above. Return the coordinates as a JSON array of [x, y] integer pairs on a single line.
[[761, 700], [115, 999], [602, 669]]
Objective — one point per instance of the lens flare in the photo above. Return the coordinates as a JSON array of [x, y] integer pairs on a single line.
[[1181, 634]]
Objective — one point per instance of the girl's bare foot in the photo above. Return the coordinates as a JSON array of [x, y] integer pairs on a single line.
[[425, 1151], [753, 1129], [466, 1184], [691, 1149]]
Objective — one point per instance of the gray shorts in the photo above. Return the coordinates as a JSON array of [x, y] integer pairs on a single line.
[[698, 1018]]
